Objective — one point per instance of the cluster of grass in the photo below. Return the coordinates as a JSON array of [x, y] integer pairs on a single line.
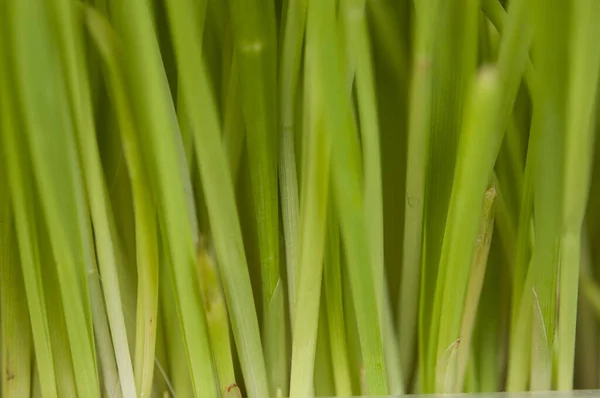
[[225, 198]]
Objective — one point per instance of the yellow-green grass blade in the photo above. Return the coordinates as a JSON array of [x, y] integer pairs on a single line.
[[218, 192], [51, 141], [163, 153], [293, 36], [453, 63], [20, 186], [313, 214], [332, 281], [234, 135], [216, 319], [324, 384], [67, 30], [551, 24], [255, 43], [144, 210], [584, 64], [348, 190], [474, 287], [478, 148], [356, 27], [15, 330]]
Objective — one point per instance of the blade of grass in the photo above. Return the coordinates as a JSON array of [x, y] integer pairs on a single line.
[[551, 22], [479, 145], [52, 148], [356, 26], [216, 319], [475, 287], [288, 180], [20, 189], [580, 135], [256, 53], [335, 314], [15, 330], [218, 191], [313, 214], [145, 227], [68, 31], [347, 191]]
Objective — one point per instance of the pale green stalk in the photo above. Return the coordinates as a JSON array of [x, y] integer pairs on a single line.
[[20, 187], [584, 65], [324, 379], [218, 191], [146, 234], [15, 329], [479, 145], [47, 126], [291, 51], [475, 286], [233, 122], [356, 27], [216, 319], [335, 311]]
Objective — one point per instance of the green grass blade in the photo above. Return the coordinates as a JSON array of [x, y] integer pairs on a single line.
[[475, 286], [15, 329], [580, 121], [256, 52], [288, 180], [332, 280], [20, 188], [479, 145], [218, 191], [52, 147], [347, 191]]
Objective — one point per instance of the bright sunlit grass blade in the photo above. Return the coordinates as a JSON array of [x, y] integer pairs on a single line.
[[584, 67]]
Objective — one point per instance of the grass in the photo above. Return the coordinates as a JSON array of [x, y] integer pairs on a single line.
[[298, 197]]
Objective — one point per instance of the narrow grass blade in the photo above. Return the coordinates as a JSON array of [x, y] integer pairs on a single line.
[[479, 145], [15, 329], [291, 51], [47, 126], [146, 234], [218, 191], [20, 187], [356, 26], [68, 29], [256, 54], [332, 280], [580, 135], [216, 319], [347, 190], [475, 286], [551, 22]]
